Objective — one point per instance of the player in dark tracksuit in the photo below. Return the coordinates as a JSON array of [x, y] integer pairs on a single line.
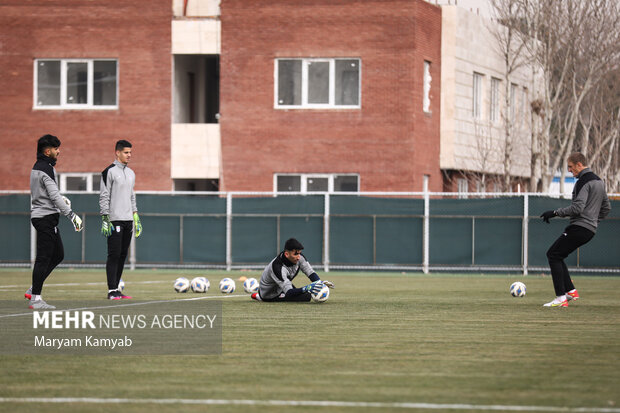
[[589, 205], [276, 281], [119, 213], [46, 205]]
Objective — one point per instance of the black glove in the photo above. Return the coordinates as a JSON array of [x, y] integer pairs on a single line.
[[547, 215]]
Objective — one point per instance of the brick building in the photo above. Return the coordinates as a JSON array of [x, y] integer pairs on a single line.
[[381, 139], [90, 72], [279, 95]]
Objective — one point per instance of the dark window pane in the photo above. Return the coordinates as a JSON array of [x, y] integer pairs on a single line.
[[76, 183], [346, 183], [317, 184], [347, 82], [104, 87], [48, 82], [289, 82], [318, 82], [96, 182], [289, 183], [77, 83]]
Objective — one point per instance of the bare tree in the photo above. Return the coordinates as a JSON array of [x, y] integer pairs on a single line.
[[576, 45], [511, 46]]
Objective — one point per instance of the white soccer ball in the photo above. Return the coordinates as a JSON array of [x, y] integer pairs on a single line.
[[517, 289], [227, 286], [322, 295], [181, 285], [250, 285], [200, 285], [121, 285]]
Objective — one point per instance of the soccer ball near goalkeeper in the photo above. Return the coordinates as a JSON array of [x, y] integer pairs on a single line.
[[250, 285], [322, 295], [181, 285], [227, 286]]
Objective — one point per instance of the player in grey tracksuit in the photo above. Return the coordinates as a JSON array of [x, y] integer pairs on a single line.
[[589, 206], [119, 212], [45, 207], [276, 282]]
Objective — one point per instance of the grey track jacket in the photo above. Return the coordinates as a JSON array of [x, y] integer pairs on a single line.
[[45, 196], [278, 275], [590, 203], [116, 195]]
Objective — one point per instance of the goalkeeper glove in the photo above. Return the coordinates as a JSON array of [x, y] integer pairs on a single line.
[[328, 283], [547, 215], [313, 288], [64, 198], [76, 221], [106, 226], [137, 224]]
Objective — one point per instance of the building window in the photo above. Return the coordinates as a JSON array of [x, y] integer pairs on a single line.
[[83, 182], [494, 109], [524, 105], [477, 96], [316, 183], [426, 100], [76, 84], [513, 101], [317, 83], [463, 187]]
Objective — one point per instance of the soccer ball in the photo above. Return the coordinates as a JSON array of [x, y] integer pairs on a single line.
[[227, 286], [250, 285], [517, 289], [322, 295], [181, 285], [200, 285], [121, 285]]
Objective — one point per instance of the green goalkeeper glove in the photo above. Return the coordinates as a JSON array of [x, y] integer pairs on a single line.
[[137, 224], [313, 288], [76, 221], [106, 226]]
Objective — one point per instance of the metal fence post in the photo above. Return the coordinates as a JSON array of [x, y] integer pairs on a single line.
[[228, 231], [425, 249], [326, 234], [526, 225]]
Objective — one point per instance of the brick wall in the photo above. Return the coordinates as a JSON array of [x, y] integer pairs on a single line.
[[390, 141], [137, 33]]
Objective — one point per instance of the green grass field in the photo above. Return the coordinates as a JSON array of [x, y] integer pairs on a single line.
[[395, 340]]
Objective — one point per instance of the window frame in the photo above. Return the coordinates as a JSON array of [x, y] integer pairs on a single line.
[[304, 83], [304, 182], [494, 113], [63, 85], [90, 178], [477, 94]]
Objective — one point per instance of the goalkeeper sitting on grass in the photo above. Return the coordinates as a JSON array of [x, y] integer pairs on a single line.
[[276, 282]]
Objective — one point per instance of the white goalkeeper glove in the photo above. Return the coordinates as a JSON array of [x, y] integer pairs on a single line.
[[76, 221], [328, 283], [67, 201]]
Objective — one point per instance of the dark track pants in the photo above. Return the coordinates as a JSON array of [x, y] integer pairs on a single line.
[[304, 297], [50, 251], [118, 245], [574, 236]]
